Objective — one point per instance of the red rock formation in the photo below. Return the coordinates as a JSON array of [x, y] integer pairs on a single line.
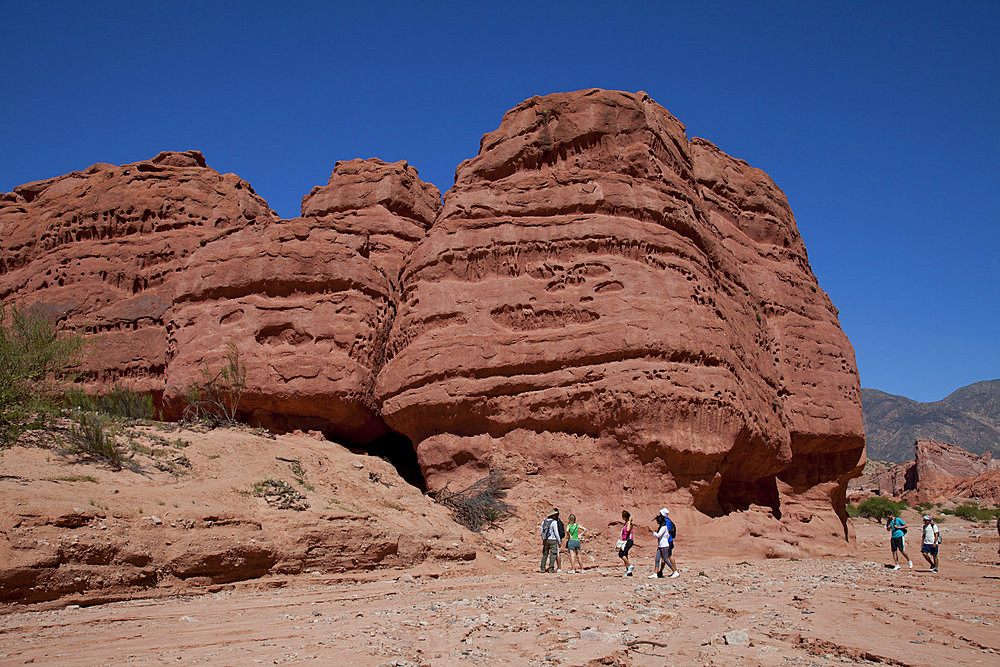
[[601, 304], [308, 301], [627, 312], [938, 471], [100, 250]]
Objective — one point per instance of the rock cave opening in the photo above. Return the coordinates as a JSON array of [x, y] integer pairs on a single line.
[[398, 450]]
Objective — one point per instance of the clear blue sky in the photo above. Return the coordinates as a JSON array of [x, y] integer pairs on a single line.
[[878, 120]]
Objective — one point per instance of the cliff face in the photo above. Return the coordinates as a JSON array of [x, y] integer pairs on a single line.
[[609, 303], [308, 301], [101, 249], [601, 306]]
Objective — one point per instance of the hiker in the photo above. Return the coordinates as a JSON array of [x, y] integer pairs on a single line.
[[625, 543], [550, 541], [573, 532], [998, 531], [897, 528], [562, 536], [664, 535], [932, 538]]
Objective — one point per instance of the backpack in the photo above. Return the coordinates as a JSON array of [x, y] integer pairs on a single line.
[[545, 528], [671, 528], [562, 528]]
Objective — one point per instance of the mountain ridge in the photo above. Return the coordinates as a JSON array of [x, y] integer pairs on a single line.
[[968, 417]]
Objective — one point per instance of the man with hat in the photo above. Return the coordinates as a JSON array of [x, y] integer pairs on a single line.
[[932, 538], [550, 541]]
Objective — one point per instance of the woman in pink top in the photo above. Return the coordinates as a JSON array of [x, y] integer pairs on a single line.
[[627, 539]]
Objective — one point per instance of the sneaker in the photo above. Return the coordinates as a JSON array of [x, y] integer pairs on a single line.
[[895, 567], [675, 574], [933, 569], [911, 564], [572, 571], [653, 576], [630, 568]]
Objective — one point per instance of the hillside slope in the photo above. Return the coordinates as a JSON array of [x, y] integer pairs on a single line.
[[969, 417]]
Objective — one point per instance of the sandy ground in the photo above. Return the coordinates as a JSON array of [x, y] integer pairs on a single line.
[[819, 611]]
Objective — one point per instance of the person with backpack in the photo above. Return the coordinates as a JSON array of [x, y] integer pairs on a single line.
[[550, 541], [664, 546], [897, 528], [932, 538]]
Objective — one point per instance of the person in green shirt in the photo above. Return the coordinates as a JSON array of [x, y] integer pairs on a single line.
[[573, 533]]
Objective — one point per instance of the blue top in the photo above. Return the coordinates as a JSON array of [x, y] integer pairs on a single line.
[[896, 523]]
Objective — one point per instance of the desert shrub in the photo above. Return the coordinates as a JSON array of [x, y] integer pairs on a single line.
[[94, 434], [34, 360], [124, 403], [973, 512], [878, 507], [120, 403], [216, 397], [279, 493], [478, 505]]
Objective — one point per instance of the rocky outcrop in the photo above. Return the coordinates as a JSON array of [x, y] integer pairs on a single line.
[[599, 304], [308, 302], [612, 305], [937, 472], [100, 251], [80, 531]]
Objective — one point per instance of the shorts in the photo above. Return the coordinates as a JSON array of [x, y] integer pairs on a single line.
[[572, 545], [623, 552], [931, 549], [896, 543]]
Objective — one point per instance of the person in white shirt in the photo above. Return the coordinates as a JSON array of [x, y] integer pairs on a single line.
[[932, 538], [664, 547]]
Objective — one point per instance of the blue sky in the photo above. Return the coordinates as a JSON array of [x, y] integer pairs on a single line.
[[878, 120]]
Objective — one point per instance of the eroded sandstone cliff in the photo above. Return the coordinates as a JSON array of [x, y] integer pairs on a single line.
[[628, 311], [608, 311]]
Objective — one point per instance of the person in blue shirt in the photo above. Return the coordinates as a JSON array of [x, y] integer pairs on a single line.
[[897, 528]]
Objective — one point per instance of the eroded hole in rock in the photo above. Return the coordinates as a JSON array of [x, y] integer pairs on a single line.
[[736, 495], [398, 450]]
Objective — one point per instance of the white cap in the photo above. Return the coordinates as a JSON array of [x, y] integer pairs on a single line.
[[664, 511], [927, 517]]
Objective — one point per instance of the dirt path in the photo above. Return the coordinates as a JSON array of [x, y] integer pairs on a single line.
[[771, 612]]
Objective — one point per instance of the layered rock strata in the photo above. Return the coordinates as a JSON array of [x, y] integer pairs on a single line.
[[308, 301], [625, 309], [100, 251], [600, 304]]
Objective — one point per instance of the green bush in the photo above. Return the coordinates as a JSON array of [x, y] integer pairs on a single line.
[[876, 507], [94, 434], [35, 360], [216, 398], [120, 403], [973, 512]]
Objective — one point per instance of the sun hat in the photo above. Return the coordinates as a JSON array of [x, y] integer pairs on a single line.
[[554, 512]]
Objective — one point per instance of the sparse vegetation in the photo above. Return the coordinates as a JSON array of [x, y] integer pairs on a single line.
[[877, 507], [973, 512], [120, 403], [216, 398], [279, 493], [34, 360], [478, 505], [94, 434]]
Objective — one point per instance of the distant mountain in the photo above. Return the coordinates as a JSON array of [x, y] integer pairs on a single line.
[[969, 417]]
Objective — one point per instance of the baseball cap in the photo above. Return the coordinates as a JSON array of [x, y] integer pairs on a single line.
[[927, 517]]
